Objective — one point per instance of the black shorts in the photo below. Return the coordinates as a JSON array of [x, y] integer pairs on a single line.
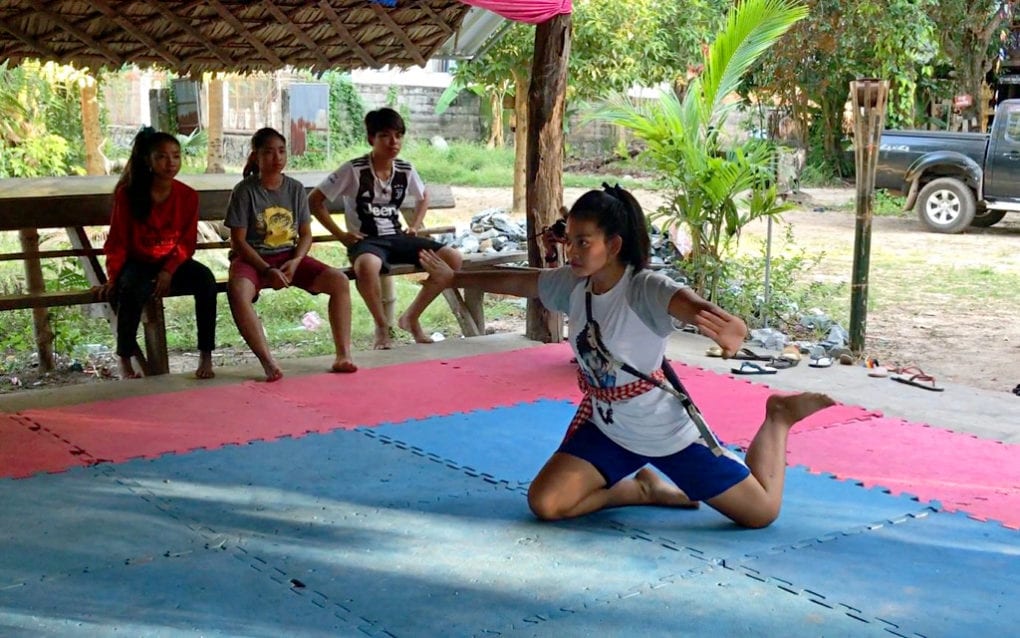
[[393, 249]]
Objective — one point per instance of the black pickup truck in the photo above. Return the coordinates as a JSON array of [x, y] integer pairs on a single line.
[[956, 180]]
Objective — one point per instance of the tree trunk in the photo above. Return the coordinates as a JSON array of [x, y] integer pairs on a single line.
[[90, 127], [496, 133], [546, 99], [520, 142], [214, 153]]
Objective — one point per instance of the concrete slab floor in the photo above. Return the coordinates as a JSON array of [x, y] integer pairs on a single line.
[[986, 414]]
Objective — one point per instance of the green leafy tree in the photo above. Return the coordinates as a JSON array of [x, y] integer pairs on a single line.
[[810, 70], [36, 104], [711, 190]]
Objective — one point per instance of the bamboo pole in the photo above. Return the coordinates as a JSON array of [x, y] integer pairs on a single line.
[[520, 142], [869, 102]]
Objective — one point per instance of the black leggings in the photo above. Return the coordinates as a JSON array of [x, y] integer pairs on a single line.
[[134, 286]]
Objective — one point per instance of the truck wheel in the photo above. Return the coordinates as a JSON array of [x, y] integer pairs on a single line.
[[946, 205], [985, 218]]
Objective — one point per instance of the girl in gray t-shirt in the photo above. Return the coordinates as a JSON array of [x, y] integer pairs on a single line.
[[620, 316], [270, 234]]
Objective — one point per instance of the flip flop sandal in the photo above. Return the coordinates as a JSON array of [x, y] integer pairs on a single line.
[[749, 367], [782, 362], [714, 351], [878, 371], [746, 354], [790, 352], [919, 380], [820, 362]]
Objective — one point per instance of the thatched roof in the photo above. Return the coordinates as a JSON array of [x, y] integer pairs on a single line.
[[224, 35]]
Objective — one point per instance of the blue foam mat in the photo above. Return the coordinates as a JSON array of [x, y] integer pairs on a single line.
[[512, 444], [429, 534], [938, 575], [204, 593], [78, 521]]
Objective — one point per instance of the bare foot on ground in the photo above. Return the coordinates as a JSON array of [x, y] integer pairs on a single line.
[[127, 369], [272, 370], [205, 367], [659, 492], [788, 410], [383, 340], [343, 366], [414, 328]]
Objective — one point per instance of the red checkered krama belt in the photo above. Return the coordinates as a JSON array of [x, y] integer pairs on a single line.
[[606, 395]]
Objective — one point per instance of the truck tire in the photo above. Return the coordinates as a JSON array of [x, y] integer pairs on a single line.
[[984, 218], [946, 205]]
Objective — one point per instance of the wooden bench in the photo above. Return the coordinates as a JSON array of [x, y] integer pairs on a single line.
[[74, 203]]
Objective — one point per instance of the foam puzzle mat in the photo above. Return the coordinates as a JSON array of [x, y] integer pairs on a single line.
[[320, 520]]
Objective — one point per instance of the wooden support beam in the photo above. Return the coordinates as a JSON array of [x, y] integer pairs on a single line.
[[32, 43], [185, 26], [442, 24], [546, 99], [409, 45], [214, 148], [138, 34], [298, 33], [85, 38], [346, 36], [243, 31]]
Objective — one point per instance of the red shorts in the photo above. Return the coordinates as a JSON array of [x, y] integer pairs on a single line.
[[304, 275]]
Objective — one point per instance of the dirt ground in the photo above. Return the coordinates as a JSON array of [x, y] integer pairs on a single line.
[[975, 343]]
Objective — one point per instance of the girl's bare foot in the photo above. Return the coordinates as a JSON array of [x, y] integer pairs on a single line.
[[343, 365], [787, 410], [273, 371], [127, 369], [414, 328], [383, 340], [205, 368], [659, 492]]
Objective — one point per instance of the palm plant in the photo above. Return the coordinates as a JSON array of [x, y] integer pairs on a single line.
[[712, 190]]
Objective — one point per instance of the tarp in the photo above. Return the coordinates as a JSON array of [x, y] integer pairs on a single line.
[[530, 11]]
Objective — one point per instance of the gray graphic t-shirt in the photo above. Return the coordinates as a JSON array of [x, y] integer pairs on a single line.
[[272, 217]]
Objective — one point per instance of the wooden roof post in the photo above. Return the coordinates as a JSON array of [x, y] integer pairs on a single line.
[[546, 103]]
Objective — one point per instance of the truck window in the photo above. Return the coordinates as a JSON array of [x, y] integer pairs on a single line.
[[1013, 126]]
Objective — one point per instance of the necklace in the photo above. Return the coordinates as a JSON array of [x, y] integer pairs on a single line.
[[383, 185]]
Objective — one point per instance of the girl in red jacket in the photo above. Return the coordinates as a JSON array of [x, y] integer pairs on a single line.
[[153, 231]]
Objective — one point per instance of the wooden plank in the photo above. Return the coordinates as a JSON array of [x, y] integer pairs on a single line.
[[59, 202]]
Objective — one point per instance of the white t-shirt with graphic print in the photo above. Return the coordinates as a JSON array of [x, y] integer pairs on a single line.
[[634, 323], [372, 206]]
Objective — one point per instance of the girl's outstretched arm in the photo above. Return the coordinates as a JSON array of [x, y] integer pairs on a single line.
[[521, 282], [715, 323]]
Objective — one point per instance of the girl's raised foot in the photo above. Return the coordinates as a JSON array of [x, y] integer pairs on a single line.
[[788, 410]]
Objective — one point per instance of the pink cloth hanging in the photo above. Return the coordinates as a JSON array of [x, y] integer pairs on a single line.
[[530, 11]]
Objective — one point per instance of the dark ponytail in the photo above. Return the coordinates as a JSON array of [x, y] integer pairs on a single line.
[[136, 180], [258, 140], [616, 213]]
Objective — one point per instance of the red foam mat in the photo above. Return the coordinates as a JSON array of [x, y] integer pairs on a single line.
[[979, 476], [175, 422], [26, 449], [209, 417], [433, 388]]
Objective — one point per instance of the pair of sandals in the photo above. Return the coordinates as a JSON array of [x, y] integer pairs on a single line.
[[754, 363]]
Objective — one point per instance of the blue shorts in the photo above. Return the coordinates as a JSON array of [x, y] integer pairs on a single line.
[[695, 469]]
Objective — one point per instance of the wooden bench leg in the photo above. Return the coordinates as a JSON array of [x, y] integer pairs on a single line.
[[474, 299], [468, 327], [154, 325]]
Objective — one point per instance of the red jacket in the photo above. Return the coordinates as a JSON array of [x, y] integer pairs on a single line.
[[169, 234]]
